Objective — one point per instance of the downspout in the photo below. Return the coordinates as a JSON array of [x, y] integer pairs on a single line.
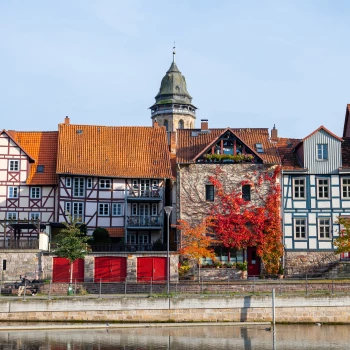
[[178, 207]]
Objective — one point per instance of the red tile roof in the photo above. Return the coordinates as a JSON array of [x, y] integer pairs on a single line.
[[287, 154], [116, 231], [326, 130], [42, 147], [189, 146], [127, 152]]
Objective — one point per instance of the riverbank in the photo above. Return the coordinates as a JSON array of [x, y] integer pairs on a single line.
[[292, 309]]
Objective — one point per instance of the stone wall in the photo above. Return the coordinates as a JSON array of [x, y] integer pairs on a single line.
[[190, 309], [309, 262]]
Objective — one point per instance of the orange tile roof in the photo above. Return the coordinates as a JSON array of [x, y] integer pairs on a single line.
[[127, 152], [42, 147], [289, 158], [188, 146], [116, 231]]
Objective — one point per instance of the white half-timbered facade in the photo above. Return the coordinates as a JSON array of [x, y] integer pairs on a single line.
[[27, 181]]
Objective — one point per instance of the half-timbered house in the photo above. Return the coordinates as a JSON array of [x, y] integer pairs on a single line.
[[202, 152], [315, 192], [28, 182], [114, 177]]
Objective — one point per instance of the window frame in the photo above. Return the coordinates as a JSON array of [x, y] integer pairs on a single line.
[[35, 195], [68, 182], [16, 168], [209, 193], [102, 209], [294, 187], [319, 226], [89, 183], [104, 184], [76, 208], [78, 187], [11, 212], [35, 213], [319, 187], [322, 152], [115, 211], [14, 189], [296, 225], [67, 208], [342, 187], [245, 196]]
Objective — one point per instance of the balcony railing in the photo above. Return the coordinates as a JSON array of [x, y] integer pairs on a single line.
[[154, 193], [23, 243], [121, 247], [145, 221]]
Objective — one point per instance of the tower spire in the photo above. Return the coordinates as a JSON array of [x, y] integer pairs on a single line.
[[174, 52]]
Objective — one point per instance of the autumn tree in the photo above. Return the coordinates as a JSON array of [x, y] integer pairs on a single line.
[[342, 243], [195, 243], [240, 223]]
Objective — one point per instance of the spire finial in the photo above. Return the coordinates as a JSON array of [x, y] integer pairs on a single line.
[[174, 52]]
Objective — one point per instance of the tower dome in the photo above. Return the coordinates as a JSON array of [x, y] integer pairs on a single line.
[[173, 107]]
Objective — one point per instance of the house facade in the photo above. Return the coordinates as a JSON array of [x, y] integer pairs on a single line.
[[315, 192]]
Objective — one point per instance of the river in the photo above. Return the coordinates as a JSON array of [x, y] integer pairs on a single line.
[[250, 337]]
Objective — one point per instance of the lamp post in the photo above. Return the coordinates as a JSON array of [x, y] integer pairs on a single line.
[[167, 212]]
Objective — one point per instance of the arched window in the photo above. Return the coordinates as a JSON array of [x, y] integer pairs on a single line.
[[166, 124], [181, 124]]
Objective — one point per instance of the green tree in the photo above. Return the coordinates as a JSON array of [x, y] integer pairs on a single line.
[[71, 244], [342, 243], [101, 235]]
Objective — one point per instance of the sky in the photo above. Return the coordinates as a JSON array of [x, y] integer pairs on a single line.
[[247, 63]]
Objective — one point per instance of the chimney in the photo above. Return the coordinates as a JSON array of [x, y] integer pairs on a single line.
[[66, 120], [204, 125], [274, 134], [155, 123]]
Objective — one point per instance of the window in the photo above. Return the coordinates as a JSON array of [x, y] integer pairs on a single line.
[[299, 188], [143, 239], [117, 209], [34, 216], [12, 216], [78, 211], [105, 184], [209, 193], [259, 148], [181, 124], [35, 192], [246, 192], [103, 209], [134, 209], [154, 209], [324, 228], [345, 182], [13, 192], [322, 151], [323, 188], [131, 238], [68, 182], [67, 209], [89, 182], [166, 124], [300, 228], [78, 187], [13, 165], [40, 169], [135, 184]]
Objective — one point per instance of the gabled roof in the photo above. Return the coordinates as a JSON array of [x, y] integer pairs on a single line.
[[125, 152], [11, 134], [42, 145], [286, 149], [188, 146], [326, 130]]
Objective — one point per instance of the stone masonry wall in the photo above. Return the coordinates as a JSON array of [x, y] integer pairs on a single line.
[[190, 309]]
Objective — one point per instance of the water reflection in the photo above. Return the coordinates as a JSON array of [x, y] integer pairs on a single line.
[[287, 337]]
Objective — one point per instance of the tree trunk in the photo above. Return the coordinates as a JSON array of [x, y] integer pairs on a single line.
[[71, 272]]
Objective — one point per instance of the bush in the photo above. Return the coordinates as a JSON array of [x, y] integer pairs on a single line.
[[183, 270], [101, 235], [243, 266]]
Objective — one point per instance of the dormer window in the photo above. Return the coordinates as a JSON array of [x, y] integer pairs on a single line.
[[322, 151], [259, 148]]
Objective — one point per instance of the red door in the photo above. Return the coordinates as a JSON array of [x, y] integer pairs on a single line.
[[110, 269], [151, 269], [61, 270], [253, 262]]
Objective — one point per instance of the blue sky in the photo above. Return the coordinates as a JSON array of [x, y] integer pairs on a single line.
[[247, 63]]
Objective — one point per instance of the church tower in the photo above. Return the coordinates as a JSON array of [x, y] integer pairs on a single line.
[[173, 107]]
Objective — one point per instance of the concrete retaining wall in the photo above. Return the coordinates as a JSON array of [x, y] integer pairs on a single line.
[[203, 309]]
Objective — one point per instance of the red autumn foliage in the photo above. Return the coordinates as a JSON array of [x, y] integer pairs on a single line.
[[240, 224]]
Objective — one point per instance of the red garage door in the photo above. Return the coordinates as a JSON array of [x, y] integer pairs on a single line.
[[61, 270], [151, 269], [110, 269]]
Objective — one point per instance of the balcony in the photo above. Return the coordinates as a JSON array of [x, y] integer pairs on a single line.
[[154, 194], [121, 247], [149, 222], [23, 243]]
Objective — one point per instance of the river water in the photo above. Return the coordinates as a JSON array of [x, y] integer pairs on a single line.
[[253, 337]]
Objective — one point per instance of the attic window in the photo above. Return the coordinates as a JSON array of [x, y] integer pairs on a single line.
[[40, 169], [79, 131], [194, 133], [259, 148]]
